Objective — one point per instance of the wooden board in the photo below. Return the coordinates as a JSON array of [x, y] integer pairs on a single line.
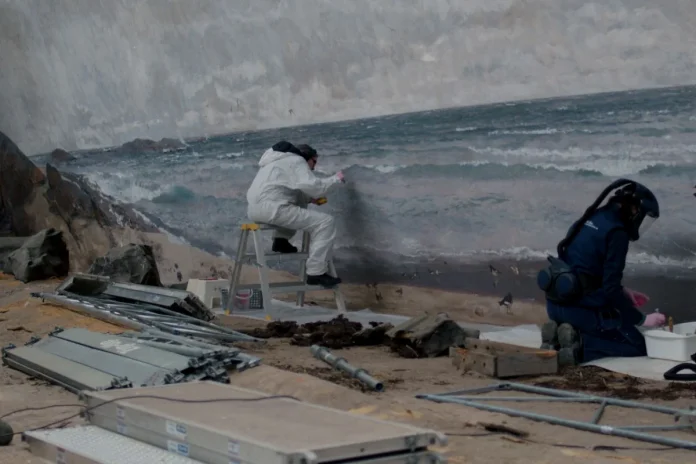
[[502, 360]]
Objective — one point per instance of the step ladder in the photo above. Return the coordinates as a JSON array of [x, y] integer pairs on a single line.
[[259, 258]]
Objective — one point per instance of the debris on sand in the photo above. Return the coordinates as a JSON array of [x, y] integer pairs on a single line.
[[424, 336], [336, 333], [606, 383]]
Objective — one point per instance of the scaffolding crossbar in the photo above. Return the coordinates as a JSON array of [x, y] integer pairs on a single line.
[[685, 419]]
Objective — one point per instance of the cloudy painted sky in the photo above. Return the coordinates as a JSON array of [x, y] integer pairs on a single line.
[[87, 73]]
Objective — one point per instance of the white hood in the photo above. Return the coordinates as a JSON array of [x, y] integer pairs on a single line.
[[271, 156], [281, 177]]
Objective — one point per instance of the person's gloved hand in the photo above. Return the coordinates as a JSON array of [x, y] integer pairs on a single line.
[[654, 320], [638, 298], [340, 176]]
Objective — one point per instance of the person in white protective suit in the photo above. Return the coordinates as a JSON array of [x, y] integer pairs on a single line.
[[279, 195]]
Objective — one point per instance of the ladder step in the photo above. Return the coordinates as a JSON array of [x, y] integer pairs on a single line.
[[286, 287], [251, 257]]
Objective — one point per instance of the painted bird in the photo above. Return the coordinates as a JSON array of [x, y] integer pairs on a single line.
[[495, 273], [507, 302]]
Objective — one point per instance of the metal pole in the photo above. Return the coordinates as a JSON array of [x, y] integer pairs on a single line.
[[237, 269], [97, 313], [303, 268], [585, 426], [341, 364], [610, 401], [137, 311], [526, 399]]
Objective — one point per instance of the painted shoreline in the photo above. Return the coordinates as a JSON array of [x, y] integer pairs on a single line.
[[674, 293]]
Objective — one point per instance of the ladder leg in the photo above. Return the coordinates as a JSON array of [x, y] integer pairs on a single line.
[[303, 268], [263, 272], [338, 295], [237, 270]]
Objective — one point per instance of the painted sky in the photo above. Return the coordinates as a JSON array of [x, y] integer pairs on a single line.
[[89, 73]]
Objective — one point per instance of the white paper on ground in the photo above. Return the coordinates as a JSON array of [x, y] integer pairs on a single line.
[[528, 335], [522, 335], [643, 367]]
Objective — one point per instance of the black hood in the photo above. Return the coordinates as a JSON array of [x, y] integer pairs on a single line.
[[287, 147]]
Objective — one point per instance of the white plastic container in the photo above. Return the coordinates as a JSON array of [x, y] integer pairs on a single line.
[[208, 290], [673, 346]]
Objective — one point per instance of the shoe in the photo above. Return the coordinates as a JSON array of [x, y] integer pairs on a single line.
[[325, 280], [549, 336], [569, 357], [570, 352], [567, 336], [282, 245]]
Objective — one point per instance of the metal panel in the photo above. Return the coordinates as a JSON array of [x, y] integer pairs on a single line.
[[141, 295], [69, 374], [269, 431], [126, 348], [92, 445], [137, 372], [180, 301], [164, 291]]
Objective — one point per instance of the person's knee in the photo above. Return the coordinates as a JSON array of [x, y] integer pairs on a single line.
[[327, 225]]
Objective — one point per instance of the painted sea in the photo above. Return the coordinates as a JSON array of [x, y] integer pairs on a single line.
[[434, 198]]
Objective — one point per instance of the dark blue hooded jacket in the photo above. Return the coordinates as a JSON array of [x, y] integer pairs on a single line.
[[599, 250]]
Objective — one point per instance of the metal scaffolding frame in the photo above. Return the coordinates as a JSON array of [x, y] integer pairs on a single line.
[[79, 359], [686, 419], [141, 316]]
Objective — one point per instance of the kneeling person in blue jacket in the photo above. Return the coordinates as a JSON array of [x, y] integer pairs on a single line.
[[591, 314]]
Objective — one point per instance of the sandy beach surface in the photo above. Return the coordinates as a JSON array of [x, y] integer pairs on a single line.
[[289, 369]]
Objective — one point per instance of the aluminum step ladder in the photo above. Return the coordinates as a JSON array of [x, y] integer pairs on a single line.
[[259, 258]]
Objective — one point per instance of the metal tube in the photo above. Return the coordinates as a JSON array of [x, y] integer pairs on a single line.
[[303, 268], [610, 401], [237, 270], [190, 341], [96, 313], [527, 399], [657, 428], [598, 415], [585, 426], [341, 364], [140, 321]]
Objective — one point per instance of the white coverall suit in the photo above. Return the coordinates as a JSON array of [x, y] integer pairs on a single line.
[[278, 196]]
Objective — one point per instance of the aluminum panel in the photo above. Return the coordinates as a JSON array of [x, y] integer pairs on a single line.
[[92, 445], [137, 372], [278, 430], [125, 347], [69, 374]]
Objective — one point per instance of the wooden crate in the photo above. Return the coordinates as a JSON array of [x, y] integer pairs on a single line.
[[502, 360]]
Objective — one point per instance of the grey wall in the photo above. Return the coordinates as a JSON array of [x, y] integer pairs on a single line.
[[87, 73]]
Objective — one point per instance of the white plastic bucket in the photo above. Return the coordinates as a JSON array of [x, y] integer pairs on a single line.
[[673, 346], [242, 299]]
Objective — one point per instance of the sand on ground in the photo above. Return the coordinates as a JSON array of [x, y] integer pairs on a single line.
[[292, 370]]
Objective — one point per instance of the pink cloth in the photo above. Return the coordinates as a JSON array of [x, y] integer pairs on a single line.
[[638, 298]]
